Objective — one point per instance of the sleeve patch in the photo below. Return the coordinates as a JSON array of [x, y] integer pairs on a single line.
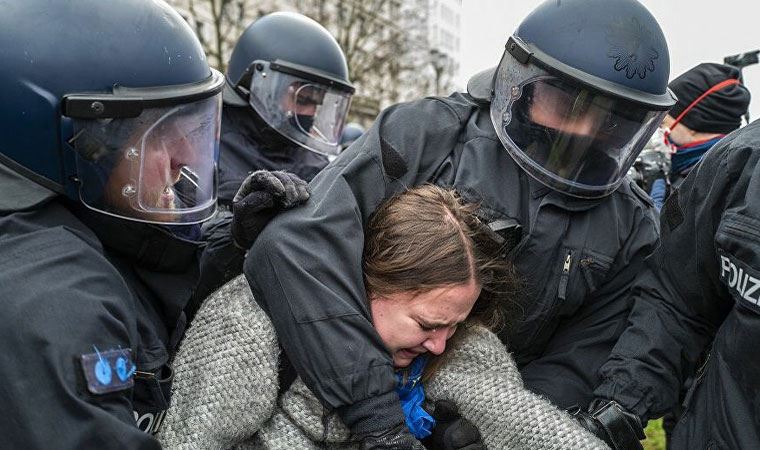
[[672, 213], [108, 371], [742, 281], [393, 163]]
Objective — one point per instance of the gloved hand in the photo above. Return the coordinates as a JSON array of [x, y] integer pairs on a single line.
[[608, 421], [397, 438], [262, 195], [452, 431]]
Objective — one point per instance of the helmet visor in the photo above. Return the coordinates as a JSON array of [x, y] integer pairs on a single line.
[[306, 112], [572, 138], [159, 167]]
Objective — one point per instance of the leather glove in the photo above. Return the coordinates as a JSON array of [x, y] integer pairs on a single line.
[[452, 431], [608, 421], [397, 438], [378, 423], [262, 196]]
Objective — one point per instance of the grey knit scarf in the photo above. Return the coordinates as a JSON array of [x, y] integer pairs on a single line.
[[225, 390]]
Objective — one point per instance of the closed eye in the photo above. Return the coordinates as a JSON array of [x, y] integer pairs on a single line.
[[426, 327]]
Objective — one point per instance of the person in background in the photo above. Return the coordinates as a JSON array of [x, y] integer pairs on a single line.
[[351, 132], [285, 100], [711, 102]]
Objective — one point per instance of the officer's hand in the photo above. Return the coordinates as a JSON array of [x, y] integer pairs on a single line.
[[396, 438], [452, 431], [262, 195], [608, 421]]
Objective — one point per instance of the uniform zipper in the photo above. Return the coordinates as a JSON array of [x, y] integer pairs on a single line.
[[565, 277]]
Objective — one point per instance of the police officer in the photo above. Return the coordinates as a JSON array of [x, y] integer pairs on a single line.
[[705, 307], [107, 164], [543, 142], [286, 97], [711, 102], [351, 133]]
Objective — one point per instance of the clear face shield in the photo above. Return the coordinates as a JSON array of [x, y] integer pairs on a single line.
[[570, 137], [309, 112], [158, 167]]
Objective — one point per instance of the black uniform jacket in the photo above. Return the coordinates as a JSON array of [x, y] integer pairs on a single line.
[[242, 150], [701, 288], [305, 267], [66, 291]]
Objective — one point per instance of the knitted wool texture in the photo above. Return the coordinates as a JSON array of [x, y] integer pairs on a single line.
[[232, 336], [225, 373]]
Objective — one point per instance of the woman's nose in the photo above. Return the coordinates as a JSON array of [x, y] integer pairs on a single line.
[[436, 342]]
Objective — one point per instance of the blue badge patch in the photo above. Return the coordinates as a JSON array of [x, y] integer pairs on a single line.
[[108, 371]]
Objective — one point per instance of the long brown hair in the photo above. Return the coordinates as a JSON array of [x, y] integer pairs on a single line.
[[428, 237]]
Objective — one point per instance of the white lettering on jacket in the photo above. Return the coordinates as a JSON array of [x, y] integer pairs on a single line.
[[738, 280], [149, 422]]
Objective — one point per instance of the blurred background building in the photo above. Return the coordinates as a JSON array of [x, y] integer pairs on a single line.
[[396, 50]]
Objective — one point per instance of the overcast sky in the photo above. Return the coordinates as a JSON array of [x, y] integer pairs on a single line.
[[696, 31]]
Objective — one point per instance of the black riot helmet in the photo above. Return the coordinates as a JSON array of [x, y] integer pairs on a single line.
[[581, 87], [293, 74], [112, 104]]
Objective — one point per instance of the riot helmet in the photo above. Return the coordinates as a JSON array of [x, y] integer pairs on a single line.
[[293, 74], [581, 87], [112, 104], [351, 132]]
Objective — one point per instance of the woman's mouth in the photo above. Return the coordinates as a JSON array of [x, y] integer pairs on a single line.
[[408, 354]]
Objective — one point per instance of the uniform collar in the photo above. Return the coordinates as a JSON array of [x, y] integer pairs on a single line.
[[148, 246], [564, 201], [20, 193]]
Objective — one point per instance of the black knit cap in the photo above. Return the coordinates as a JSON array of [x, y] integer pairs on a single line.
[[719, 112]]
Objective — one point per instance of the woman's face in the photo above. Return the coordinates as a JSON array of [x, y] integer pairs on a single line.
[[411, 324]]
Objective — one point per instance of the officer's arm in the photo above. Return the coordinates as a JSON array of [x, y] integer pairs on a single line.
[[306, 266], [220, 260], [62, 300], [676, 308]]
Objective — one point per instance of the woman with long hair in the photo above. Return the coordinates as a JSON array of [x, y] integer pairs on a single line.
[[438, 287]]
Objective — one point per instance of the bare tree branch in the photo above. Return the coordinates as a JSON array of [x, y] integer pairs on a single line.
[[385, 41]]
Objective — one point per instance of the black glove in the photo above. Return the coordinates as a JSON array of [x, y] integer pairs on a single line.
[[262, 195], [452, 431], [397, 438], [608, 421], [377, 423]]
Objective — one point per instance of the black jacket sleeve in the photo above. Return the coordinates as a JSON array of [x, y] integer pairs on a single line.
[[306, 267], [220, 261], [61, 299], [678, 298]]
